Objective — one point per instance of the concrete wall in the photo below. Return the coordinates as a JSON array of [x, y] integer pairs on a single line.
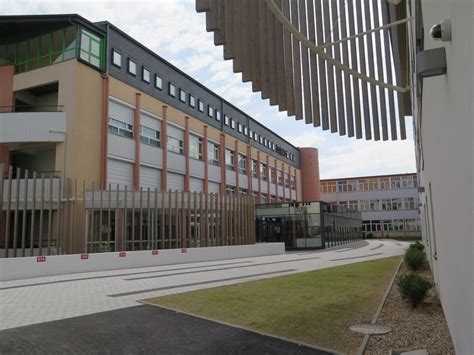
[[20, 127], [444, 137], [21, 268]]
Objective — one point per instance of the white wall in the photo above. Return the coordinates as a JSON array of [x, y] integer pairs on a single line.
[[30, 127], [22, 268], [445, 127]]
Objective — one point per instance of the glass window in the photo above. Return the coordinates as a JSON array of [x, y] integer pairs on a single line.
[[353, 205], [363, 185], [210, 111], [280, 177], [352, 185], [373, 184], [261, 140], [397, 204], [287, 180], [263, 172], [242, 164], [409, 203], [342, 186], [182, 95], [374, 205], [158, 82], [149, 136], [250, 134], [293, 182], [331, 186], [195, 147], [230, 190], [200, 106], [120, 128], [192, 101], [387, 204], [213, 153], [243, 192], [218, 116], [364, 205], [132, 67], [145, 75], [116, 58], [254, 168], [175, 145], [90, 48], [229, 159], [226, 120], [273, 146], [245, 130], [384, 183], [239, 127], [232, 123], [171, 90], [395, 182], [255, 136], [272, 175]]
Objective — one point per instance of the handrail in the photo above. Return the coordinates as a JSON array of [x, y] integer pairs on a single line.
[[31, 108]]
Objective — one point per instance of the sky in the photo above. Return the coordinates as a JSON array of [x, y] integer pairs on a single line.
[[174, 30]]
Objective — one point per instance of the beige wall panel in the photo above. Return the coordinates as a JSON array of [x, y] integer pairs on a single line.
[[122, 91]]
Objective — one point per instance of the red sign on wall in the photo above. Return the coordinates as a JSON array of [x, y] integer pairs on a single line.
[[154, 252], [122, 254], [184, 250], [41, 259], [84, 256]]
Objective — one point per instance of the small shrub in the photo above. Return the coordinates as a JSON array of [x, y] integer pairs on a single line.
[[415, 258], [370, 236], [417, 245], [414, 288]]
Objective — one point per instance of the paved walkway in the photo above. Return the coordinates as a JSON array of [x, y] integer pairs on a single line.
[[33, 301]]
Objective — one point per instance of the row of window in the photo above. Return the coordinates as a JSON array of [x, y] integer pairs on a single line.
[[387, 204], [231, 190], [192, 101], [408, 225], [151, 137], [369, 184]]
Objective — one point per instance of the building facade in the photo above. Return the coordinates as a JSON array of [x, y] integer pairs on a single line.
[[100, 107], [388, 203]]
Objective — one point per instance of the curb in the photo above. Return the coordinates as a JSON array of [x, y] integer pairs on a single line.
[[243, 328], [365, 341]]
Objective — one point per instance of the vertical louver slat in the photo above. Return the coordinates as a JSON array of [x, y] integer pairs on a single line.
[[263, 55], [329, 67], [219, 35], [246, 51], [364, 85], [237, 35], [370, 55], [338, 17], [308, 111], [229, 29], [288, 58], [354, 65], [280, 65], [347, 77], [202, 5], [388, 65], [314, 66], [297, 63], [255, 46], [212, 21], [272, 75], [321, 67], [380, 74]]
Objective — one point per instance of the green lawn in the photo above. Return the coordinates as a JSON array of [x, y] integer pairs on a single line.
[[315, 307]]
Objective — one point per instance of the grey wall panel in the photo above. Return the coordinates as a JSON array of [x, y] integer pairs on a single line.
[[176, 162], [196, 168], [272, 189], [121, 112], [287, 193], [121, 147], [230, 177], [213, 187], [150, 121], [175, 181], [254, 184], [175, 132], [150, 177], [214, 173], [264, 187], [243, 181], [195, 184], [119, 172], [151, 155]]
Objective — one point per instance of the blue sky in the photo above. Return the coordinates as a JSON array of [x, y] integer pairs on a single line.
[[177, 33]]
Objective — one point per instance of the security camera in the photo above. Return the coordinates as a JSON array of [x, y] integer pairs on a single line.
[[441, 31]]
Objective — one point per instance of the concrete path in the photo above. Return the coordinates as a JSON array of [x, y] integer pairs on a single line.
[[142, 330], [33, 301]]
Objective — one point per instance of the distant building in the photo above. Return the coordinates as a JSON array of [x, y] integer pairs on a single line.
[[388, 203]]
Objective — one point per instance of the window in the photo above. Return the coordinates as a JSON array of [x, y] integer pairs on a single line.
[[91, 48], [287, 180], [261, 140], [200, 106], [398, 225], [352, 185], [411, 225], [226, 120], [149, 136], [116, 58], [213, 153], [158, 82], [250, 134], [192, 101], [395, 182], [210, 111], [409, 203], [232, 123], [364, 205], [272, 175], [374, 205], [145, 75], [363, 185], [373, 184], [175, 145], [120, 128], [239, 127], [280, 177], [387, 225], [171, 90], [387, 204], [263, 172], [230, 190], [132, 67], [182, 95], [397, 204], [342, 186], [245, 130], [384, 183], [331, 186], [254, 168], [229, 159], [273, 146], [255, 136], [195, 147], [243, 192], [218, 116], [323, 187], [293, 182], [242, 164]]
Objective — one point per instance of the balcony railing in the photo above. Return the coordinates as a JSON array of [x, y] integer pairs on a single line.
[[32, 108]]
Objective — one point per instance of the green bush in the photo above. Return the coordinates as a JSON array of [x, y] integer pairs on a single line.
[[417, 245], [415, 258], [414, 288], [370, 236]]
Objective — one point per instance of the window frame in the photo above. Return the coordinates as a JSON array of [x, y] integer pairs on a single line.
[[160, 86], [130, 60], [149, 140], [114, 52], [171, 89], [145, 70]]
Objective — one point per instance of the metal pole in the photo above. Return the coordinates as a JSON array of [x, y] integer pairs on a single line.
[[15, 221], [33, 211], [25, 203], [9, 199]]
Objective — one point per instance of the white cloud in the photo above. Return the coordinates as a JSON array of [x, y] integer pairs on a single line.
[[307, 139]]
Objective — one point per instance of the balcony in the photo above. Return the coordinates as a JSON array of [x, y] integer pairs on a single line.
[[25, 124]]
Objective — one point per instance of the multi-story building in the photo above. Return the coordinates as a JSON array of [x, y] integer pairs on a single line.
[[86, 101], [388, 203]]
